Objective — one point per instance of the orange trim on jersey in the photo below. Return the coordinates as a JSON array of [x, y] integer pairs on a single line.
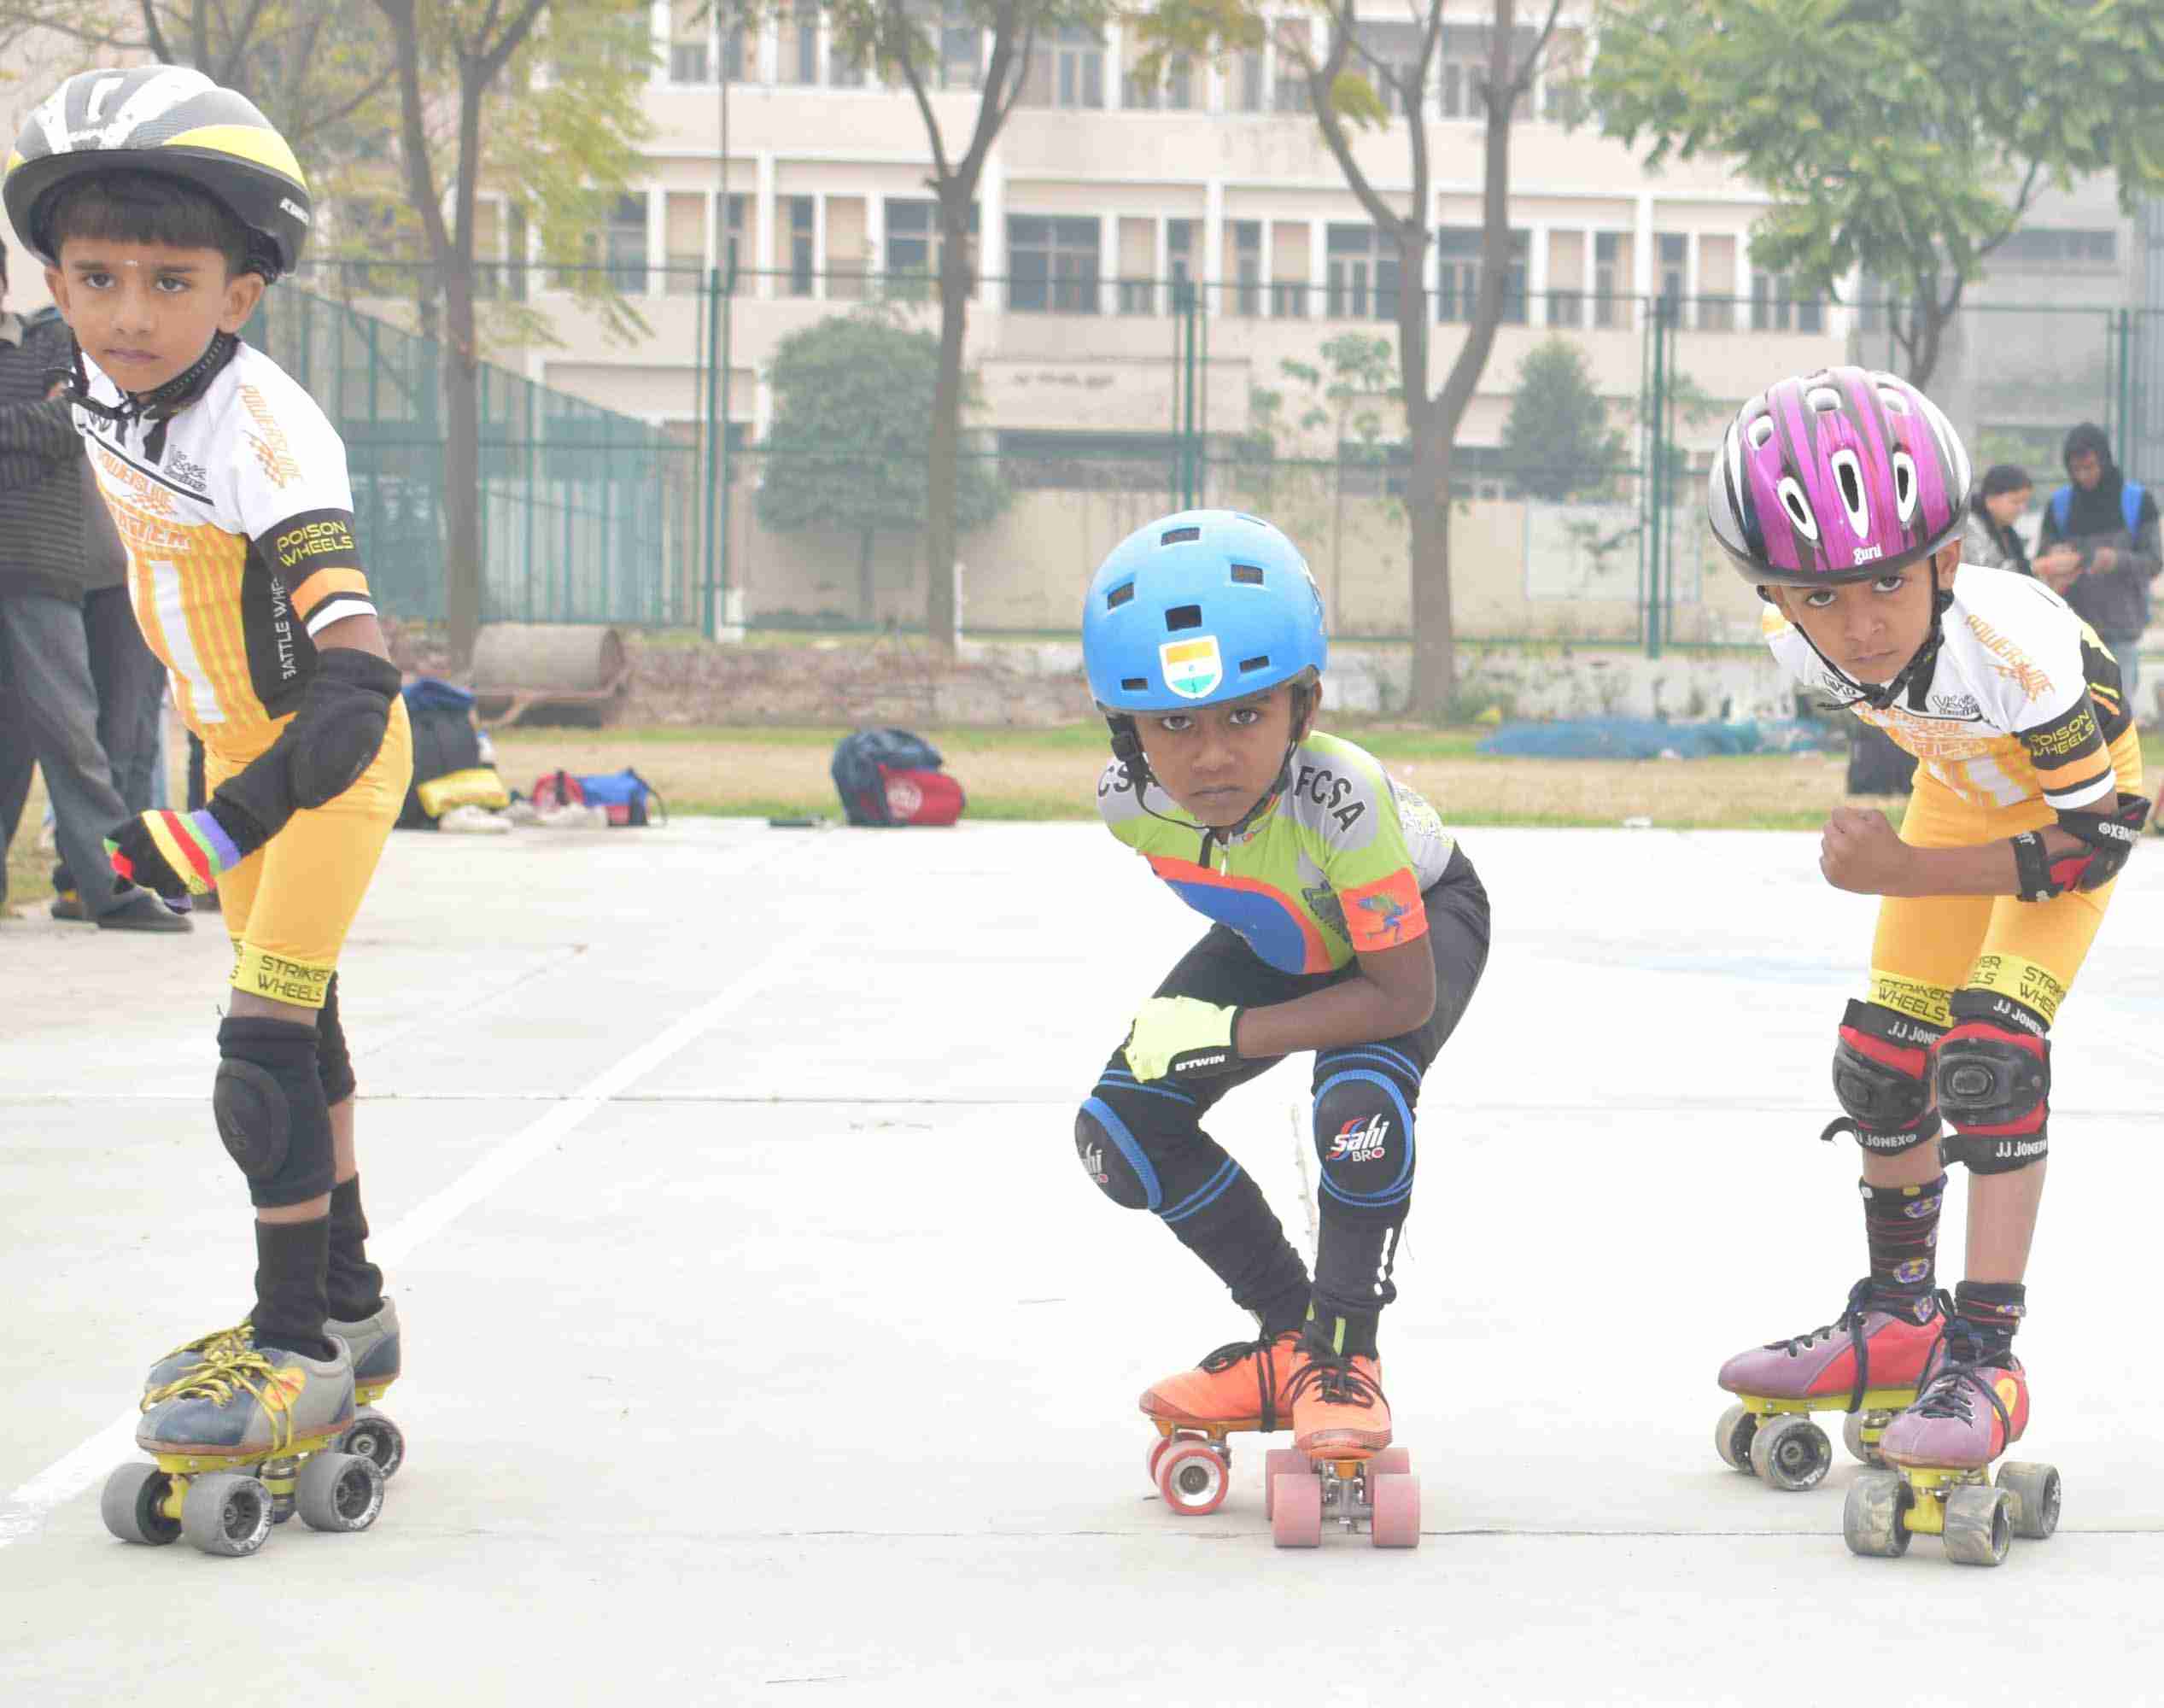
[[322, 584], [1386, 913], [1315, 952]]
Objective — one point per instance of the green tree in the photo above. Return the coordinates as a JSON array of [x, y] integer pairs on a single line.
[[541, 96], [846, 450], [1906, 136], [1355, 82], [1556, 442]]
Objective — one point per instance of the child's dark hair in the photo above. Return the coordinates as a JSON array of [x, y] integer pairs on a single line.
[[148, 207], [2004, 478]]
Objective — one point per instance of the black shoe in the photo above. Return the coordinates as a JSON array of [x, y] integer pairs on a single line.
[[143, 911], [68, 905]]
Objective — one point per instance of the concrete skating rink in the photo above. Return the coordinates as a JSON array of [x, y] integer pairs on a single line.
[[766, 1343]]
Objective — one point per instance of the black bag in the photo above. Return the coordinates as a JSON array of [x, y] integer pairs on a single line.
[[860, 765], [445, 744], [1876, 765]]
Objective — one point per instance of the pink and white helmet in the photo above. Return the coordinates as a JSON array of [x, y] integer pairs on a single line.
[[1839, 475]]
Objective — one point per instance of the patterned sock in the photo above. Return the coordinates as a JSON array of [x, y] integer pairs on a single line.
[[1901, 1226], [1995, 1310]]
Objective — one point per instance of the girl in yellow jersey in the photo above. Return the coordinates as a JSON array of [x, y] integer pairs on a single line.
[[1838, 495], [164, 207]]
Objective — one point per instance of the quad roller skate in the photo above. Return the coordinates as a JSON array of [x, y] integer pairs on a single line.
[[1342, 1468], [1939, 1451], [1240, 1386], [1867, 1362], [374, 1343], [244, 1439]]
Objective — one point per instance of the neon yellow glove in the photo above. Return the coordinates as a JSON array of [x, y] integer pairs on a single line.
[[1182, 1038]]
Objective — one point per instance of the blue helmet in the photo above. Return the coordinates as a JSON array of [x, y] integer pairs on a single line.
[[1200, 607]]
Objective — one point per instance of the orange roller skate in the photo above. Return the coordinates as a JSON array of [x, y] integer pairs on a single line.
[[1240, 1386], [1342, 1466]]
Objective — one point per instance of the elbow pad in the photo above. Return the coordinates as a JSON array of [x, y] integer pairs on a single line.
[[2108, 842], [333, 737]]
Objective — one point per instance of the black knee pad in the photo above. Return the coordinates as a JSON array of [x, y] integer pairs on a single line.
[[1994, 1082], [334, 1066], [1882, 1079], [1112, 1156], [269, 1105], [1363, 1129]]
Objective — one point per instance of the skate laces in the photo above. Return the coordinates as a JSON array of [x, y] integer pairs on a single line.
[[1951, 1390], [242, 1333], [1263, 1351], [228, 1370], [1850, 1321], [1335, 1382]]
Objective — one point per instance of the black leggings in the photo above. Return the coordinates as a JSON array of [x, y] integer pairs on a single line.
[[1145, 1145]]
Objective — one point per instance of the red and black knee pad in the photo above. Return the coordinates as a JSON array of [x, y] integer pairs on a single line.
[[1993, 1077], [1882, 1079]]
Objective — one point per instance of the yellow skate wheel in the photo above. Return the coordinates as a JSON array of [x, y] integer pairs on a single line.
[[227, 1514], [1979, 1524], [2035, 1490], [1875, 1517], [133, 1506]]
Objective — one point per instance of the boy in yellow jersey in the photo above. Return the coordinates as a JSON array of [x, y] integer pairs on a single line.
[[163, 206], [1838, 495]]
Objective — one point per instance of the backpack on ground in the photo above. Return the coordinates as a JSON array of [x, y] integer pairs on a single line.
[[889, 777], [451, 767], [628, 799]]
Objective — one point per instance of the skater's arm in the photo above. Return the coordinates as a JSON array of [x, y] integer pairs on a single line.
[[1393, 993], [1859, 851]]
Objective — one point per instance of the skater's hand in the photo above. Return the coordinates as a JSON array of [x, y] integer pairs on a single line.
[[1859, 850], [1182, 1038], [178, 853]]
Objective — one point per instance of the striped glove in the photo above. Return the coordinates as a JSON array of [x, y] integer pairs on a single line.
[[178, 853]]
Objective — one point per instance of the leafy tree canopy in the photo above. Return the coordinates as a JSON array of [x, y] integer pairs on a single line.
[[1556, 442]]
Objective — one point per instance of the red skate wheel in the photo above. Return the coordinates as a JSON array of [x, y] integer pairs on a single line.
[[1396, 1499], [1279, 1461], [1157, 1454], [1392, 1461], [1194, 1478], [1297, 1510]]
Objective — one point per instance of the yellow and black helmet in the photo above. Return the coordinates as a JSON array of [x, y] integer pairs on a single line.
[[170, 120]]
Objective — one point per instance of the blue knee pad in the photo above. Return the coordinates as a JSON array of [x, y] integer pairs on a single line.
[[1111, 1157], [269, 1105], [1144, 1145], [1364, 1099]]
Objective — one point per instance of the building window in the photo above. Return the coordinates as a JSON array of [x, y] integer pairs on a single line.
[[1671, 250], [1294, 39], [735, 54], [2044, 248], [1464, 55], [803, 227], [1246, 91], [1776, 307], [690, 42], [623, 245], [1182, 242], [1052, 264], [1077, 69], [1458, 250], [1176, 94], [800, 44], [1363, 274], [1608, 277], [913, 249], [1247, 267], [733, 253], [1387, 54]]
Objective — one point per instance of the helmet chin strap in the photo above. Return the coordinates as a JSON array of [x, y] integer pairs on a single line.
[[1915, 676], [156, 407]]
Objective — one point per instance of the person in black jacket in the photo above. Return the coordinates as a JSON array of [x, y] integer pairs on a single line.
[[2100, 548]]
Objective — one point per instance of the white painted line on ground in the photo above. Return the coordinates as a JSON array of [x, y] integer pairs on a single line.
[[25, 1508]]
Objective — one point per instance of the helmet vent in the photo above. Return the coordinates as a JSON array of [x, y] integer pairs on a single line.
[[1179, 536], [1120, 595], [1183, 617], [1247, 575], [1791, 501], [1261, 664], [1824, 399], [1904, 486], [1135, 684], [1894, 401], [1848, 478], [1761, 432]]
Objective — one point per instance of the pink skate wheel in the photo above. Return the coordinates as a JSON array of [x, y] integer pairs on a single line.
[[1297, 1510], [1193, 1478], [1279, 1461], [1396, 1499], [1392, 1461], [1157, 1449]]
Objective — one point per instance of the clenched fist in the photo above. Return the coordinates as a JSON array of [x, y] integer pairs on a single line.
[[1860, 850]]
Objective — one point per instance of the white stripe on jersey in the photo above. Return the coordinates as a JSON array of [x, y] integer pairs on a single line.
[[2104, 788], [336, 609], [202, 698]]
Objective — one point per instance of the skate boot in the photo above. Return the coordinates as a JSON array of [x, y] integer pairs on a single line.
[[1338, 1408], [1974, 1406], [244, 1439], [1240, 1386], [1868, 1361], [1341, 1468], [374, 1343]]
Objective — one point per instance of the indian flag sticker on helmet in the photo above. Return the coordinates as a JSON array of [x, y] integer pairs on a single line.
[[1193, 669]]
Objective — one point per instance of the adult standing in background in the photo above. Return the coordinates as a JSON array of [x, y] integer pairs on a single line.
[[48, 713], [2099, 547], [1989, 538]]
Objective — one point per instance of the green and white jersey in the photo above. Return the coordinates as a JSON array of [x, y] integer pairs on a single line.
[[1335, 866]]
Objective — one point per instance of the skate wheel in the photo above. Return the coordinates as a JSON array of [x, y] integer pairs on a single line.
[[1873, 1518], [1392, 1461], [374, 1436], [1395, 1499], [1194, 1478], [338, 1491], [1791, 1452], [133, 1506], [1157, 1451], [227, 1513], [1979, 1524], [2035, 1490], [1297, 1510], [1732, 1437], [1866, 1453], [1279, 1461]]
